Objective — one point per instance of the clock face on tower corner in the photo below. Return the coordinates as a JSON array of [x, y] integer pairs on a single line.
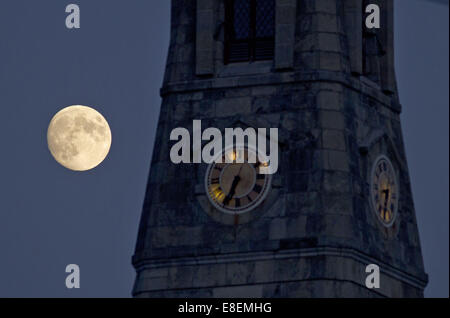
[[384, 190], [237, 188]]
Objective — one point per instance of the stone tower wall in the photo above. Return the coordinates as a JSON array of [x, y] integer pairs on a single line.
[[316, 232]]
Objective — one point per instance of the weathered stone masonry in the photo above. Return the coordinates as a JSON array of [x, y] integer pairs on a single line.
[[316, 233]]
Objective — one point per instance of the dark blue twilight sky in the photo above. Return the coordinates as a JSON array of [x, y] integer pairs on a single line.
[[51, 217]]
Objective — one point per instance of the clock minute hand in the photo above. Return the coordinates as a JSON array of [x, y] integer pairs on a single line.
[[386, 198], [230, 195]]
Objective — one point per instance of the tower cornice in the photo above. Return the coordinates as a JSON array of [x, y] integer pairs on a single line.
[[358, 84]]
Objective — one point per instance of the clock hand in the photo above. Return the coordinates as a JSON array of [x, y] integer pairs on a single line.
[[386, 198], [230, 195], [237, 179]]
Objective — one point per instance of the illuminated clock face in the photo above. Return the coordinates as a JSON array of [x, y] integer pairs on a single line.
[[384, 190], [237, 188]]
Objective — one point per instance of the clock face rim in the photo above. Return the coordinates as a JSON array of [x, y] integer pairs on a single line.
[[259, 200], [397, 188]]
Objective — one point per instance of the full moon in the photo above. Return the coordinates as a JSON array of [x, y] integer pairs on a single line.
[[79, 138]]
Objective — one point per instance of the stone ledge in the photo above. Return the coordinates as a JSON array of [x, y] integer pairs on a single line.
[[258, 290], [141, 263], [252, 80]]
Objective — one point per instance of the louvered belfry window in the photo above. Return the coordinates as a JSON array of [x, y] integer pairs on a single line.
[[250, 28]]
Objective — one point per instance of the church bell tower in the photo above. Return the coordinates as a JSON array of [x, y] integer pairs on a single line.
[[341, 199]]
